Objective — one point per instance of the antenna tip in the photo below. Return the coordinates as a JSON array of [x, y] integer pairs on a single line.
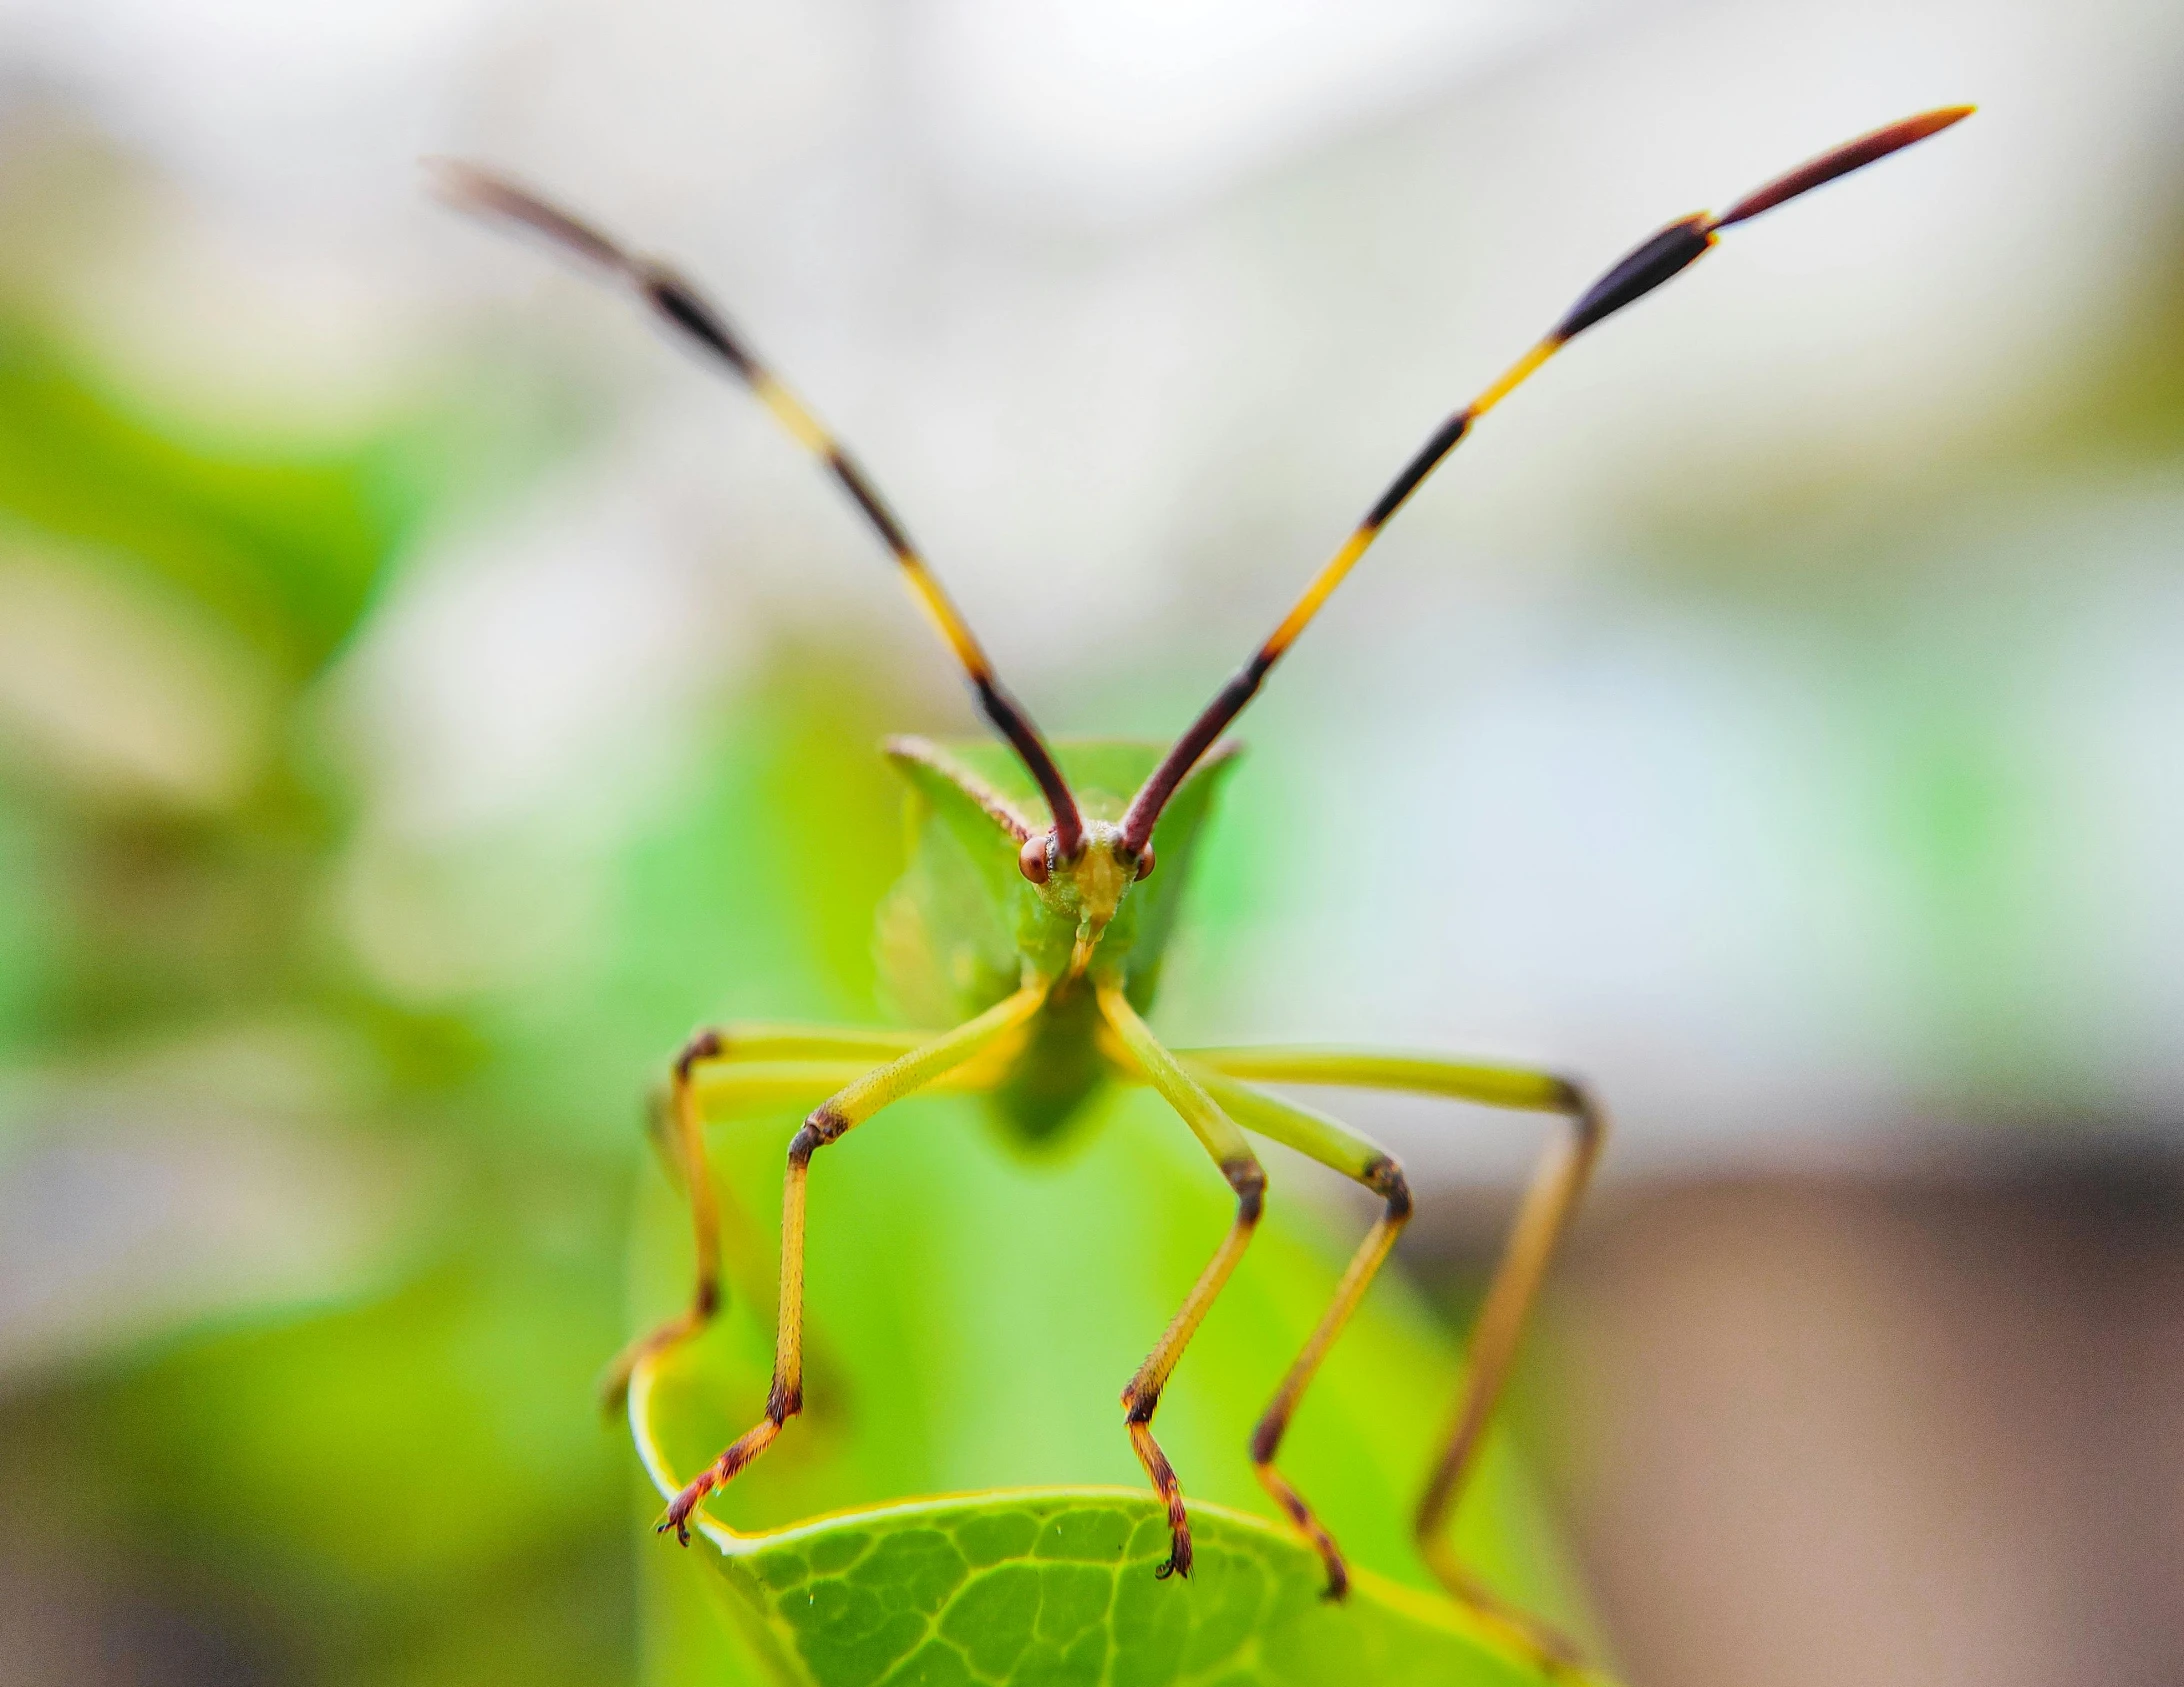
[[469, 187], [482, 193], [1840, 161], [448, 178], [1932, 122]]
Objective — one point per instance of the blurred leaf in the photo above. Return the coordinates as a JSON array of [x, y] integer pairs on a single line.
[[400, 1478], [283, 554], [26, 917]]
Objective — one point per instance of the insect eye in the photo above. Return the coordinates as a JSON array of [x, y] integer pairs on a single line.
[[1145, 862], [1031, 860]]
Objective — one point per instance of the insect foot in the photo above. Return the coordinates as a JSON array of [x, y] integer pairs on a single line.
[[724, 1470], [680, 1508], [1178, 1561]]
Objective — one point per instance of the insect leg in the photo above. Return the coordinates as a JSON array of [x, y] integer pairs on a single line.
[[748, 1065], [1241, 1167], [1550, 1201], [1336, 1146], [833, 1118]]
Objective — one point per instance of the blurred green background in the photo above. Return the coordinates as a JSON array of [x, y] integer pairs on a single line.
[[423, 699]]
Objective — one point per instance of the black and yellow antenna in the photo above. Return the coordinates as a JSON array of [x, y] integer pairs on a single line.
[[680, 304], [1642, 269]]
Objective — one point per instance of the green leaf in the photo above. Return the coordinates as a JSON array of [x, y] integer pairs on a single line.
[[1041, 1587], [1052, 1586]]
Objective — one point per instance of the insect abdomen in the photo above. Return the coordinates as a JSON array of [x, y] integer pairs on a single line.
[[1055, 1072]]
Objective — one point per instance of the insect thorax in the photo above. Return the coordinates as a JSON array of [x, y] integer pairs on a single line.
[[963, 928]]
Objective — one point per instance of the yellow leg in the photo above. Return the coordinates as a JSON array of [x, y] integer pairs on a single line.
[[1241, 1167], [1336, 1146], [746, 1065], [1556, 1188], [849, 1107]]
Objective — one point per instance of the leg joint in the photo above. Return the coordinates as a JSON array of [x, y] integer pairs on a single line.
[[705, 1045], [783, 1402], [1587, 1122], [824, 1126], [1384, 1177], [1248, 1178]]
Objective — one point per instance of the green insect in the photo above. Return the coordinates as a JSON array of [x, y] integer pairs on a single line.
[[1032, 907]]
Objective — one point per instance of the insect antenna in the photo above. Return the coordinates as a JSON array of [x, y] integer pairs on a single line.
[[678, 303], [1648, 264]]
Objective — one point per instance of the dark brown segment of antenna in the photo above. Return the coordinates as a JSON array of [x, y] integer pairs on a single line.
[[1851, 155], [682, 306], [472, 189], [1643, 268], [1012, 723], [1143, 813], [868, 500], [1651, 262], [1444, 440], [674, 299]]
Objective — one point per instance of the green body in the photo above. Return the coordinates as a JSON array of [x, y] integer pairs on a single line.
[[964, 928]]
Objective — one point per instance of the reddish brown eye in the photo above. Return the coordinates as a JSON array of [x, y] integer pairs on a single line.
[[1031, 860], [1145, 862]]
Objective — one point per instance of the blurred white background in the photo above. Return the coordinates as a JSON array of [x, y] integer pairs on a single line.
[[1746, 718]]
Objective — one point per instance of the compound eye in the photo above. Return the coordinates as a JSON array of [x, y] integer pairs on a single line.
[[1145, 862], [1031, 860]]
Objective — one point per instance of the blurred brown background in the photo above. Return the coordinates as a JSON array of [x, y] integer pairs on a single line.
[[1902, 1425], [422, 699]]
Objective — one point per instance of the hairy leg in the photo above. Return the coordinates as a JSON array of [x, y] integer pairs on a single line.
[[1241, 1167], [1552, 1198], [856, 1102], [722, 1068], [1336, 1146]]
